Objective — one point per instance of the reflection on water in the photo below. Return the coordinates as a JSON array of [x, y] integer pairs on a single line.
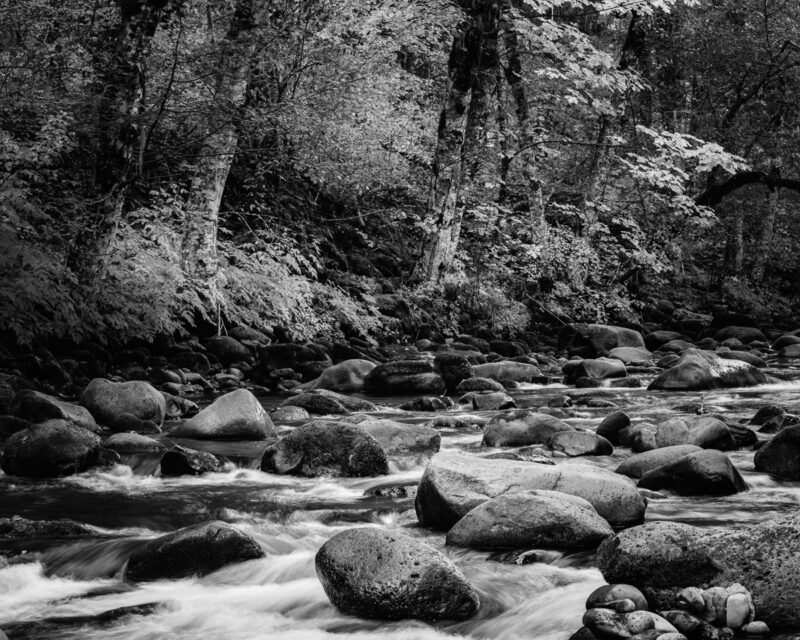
[[66, 589]]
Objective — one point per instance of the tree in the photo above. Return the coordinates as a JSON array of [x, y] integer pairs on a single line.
[[199, 248]]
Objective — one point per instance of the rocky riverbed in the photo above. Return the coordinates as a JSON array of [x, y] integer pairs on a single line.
[[440, 490]]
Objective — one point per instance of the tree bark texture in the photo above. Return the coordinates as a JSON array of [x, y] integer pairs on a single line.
[[199, 249], [463, 124], [120, 104]]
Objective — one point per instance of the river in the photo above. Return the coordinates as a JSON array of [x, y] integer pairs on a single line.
[[65, 589]]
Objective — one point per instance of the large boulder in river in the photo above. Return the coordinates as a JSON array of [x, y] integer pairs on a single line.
[[105, 400], [324, 402], [520, 427], [599, 339], [698, 370], [507, 372], [38, 407], [325, 448], [580, 443], [706, 432], [405, 377], [237, 415], [781, 455], [50, 449], [706, 472], [540, 519], [453, 484], [192, 551], [637, 465], [388, 575], [346, 376], [662, 558], [398, 438], [453, 367], [594, 368]]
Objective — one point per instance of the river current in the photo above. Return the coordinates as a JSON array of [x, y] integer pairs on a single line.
[[72, 589]]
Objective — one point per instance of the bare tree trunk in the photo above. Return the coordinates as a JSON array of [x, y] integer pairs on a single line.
[[199, 250], [443, 218], [121, 101], [763, 247]]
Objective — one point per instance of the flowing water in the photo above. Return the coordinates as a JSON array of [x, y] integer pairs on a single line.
[[73, 588]]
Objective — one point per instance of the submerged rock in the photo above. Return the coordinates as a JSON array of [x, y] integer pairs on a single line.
[[105, 400], [237, 415], [324, 402], [327, 448], [453, 484], [192, 551], [126, 443], [50, 449], [388, 575], [541, 519], [17, 528], [698, 370]]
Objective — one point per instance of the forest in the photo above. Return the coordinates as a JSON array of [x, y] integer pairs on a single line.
[[324, 168], [399, 320]]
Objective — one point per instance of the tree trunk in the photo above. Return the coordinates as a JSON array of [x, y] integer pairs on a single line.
[[121, 101], [443, 219], [763, 247], [199, 250], [735, 250]]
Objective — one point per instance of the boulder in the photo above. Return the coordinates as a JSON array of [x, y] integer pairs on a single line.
[[324, 402], [105, 400], [125, 422], [745, 335], [192, 551], [507, 372], [398, 438], [346, 376], [744, 356], [540, 519], [453, 367], [237, 415], [655, 339], [404, 377], [663, 558], [128, 443], [428, 403], [479, 384], [610, 593], [612, 424], [492, 401], [631, 355], [781, 455], [16, 528], [521, 427], [289, 414], [637, 465], [676, 346], [228, 350], [38, 407], [453, 484], [374, 573], [706, 472], [10, 425], [595, 369], [580, 443], [181, 461], [327, 448], [698, 370], [50, 449], [602, 338], [178, 407]]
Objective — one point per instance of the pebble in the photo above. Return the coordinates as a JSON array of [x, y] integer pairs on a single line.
[[609, 593], [756, 629], [737, 610]]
